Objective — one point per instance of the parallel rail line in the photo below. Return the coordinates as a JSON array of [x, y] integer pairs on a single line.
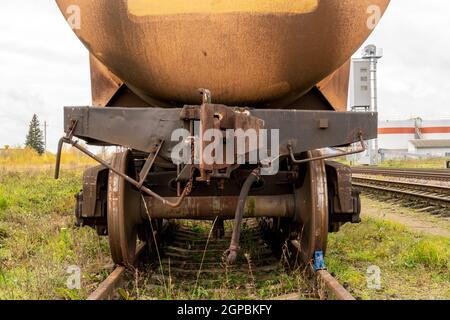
[[422, 174], [425, 196]]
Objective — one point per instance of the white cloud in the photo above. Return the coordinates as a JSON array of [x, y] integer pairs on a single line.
[[43, 67], [413, 74]]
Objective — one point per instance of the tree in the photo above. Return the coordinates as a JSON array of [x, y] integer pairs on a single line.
[[35, 137]]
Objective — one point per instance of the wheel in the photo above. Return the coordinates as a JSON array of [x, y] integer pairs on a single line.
[[124, 212], [310, 228], [312, 210]]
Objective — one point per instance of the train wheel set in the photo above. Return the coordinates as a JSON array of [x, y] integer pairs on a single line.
[[125, 215], [306, 199]]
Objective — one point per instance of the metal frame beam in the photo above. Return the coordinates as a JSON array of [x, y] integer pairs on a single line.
[[143, 128]]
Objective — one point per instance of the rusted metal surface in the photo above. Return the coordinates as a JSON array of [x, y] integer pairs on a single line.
[[208, 208], [92, 192], [222, 118], [345, 203], [298, 128], [340, 179], [124, 213], [106, 290], [104, 84], [91, 201], [309, 228], [325, 278], [267, 58], [312, 209], [335, 87], [68, 140], [334, 286]]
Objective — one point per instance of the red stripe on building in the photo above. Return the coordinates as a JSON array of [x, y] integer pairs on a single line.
[[396, 131], [435, 130], [429, 130]]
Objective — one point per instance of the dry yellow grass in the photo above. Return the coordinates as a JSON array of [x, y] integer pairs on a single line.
[[21, 159]]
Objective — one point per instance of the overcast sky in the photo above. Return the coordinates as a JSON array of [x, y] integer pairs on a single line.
[[43, 66]]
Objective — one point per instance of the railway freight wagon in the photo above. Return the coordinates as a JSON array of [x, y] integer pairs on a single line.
[[222, 108]]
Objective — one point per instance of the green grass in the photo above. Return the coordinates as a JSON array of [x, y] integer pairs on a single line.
[[38, 241], [429, 254], [427, 163], [413, 266], [431, 163]]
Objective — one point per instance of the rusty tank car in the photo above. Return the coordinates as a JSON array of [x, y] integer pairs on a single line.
[[265, 66]]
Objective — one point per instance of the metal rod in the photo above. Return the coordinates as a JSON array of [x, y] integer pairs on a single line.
[[149, 165], [359, 150], [127, 178], [58, 158], [209, 207]]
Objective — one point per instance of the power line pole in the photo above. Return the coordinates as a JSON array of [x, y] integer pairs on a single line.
[[45, 136]]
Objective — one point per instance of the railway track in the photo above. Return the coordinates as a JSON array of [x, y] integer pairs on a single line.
[[186, 266], [423, 197], [421, 174]]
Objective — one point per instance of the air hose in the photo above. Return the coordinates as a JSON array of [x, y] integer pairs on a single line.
[[239, 215]]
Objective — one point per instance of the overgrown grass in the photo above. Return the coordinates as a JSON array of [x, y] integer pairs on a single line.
[[425, 163], [247, 282], [26, 158], [413, 265], [38, 241], [430, 163]]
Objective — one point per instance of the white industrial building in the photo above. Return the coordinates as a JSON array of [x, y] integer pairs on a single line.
[[397, 139], [414, 138]]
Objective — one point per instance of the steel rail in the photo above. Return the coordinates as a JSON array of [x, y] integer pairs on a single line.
[[105, 290], [438, 197], [428, 188], [424, 174], [331, 284], [334, 286]]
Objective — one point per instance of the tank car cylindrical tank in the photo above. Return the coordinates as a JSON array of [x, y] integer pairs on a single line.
[[268, 68], [247, 52]]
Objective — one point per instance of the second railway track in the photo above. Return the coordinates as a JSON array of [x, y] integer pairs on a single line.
[[422, 174], [187, 270], [417, 194]]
